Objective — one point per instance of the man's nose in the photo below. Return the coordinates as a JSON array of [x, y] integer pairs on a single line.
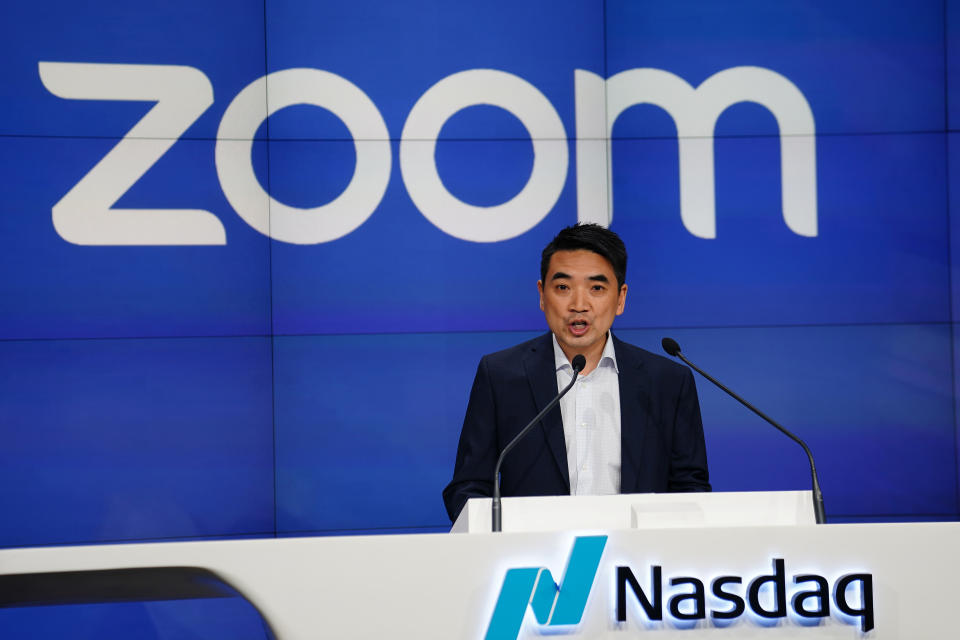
[[578, 301]]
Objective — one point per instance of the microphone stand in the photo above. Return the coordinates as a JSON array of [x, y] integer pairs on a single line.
[[672, 348], [579, 362]]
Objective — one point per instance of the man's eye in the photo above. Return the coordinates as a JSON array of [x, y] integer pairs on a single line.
[[562, 287]]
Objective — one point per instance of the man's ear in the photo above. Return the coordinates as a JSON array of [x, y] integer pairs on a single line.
[[540, 289]]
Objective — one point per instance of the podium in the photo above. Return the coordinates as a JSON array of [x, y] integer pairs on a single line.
[[611, 580], [641, 511]]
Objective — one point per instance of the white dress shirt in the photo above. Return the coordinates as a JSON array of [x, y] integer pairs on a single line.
[[591, 423]]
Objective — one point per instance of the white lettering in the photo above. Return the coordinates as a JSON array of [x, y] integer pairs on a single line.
[[695, 112], [85, 214], [419, 142], [235, 144]]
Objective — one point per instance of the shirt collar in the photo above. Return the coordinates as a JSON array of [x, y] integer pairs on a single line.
[[607, 359]]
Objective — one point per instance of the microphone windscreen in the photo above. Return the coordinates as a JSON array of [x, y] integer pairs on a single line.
[[579, 362], [670, 346]]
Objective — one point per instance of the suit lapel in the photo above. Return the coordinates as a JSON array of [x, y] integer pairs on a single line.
[[542, 374], [632, 415]]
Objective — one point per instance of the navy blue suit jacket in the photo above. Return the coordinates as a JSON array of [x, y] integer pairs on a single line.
[[662, 447]]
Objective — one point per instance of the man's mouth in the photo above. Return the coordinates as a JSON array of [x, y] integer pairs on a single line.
[[579, 327]]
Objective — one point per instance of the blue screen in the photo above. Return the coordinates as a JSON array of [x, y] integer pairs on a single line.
[[304, 367]]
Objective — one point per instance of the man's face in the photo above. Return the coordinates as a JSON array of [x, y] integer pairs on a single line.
[[580, 299]]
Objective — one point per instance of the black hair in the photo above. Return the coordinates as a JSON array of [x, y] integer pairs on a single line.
[[592, 237]]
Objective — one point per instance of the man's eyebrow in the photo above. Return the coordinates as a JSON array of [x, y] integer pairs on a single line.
[[599, 278], [560, 275]]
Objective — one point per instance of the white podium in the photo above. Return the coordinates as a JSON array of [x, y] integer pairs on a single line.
[[609, 570], [641, 511]]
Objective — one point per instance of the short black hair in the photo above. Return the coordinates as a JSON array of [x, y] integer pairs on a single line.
[[592, 237]]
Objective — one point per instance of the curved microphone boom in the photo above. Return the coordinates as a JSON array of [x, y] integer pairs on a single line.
[[579, 362], [672, 348]]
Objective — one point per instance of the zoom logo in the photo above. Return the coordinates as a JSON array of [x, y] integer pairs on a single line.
[[553, 605], [86, 215]]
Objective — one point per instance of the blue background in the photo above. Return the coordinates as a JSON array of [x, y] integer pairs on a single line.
[[267, 389]]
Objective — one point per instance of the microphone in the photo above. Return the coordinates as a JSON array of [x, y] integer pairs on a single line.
[[672, 348], [579, 362]]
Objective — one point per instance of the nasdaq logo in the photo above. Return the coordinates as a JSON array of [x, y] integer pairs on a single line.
[[681, 601], [86, 215], [553, 606], [767, 598]]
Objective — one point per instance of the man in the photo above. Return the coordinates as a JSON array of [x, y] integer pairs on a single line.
[[631, 423]]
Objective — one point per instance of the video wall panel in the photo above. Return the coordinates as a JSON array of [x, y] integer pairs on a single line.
[[953, 162], [395, 53], [59, 289], [394, 401], [952, 38], [224, 40], [880, 253], [862, 71], [125, 439], [395, 273], [874, 404]]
